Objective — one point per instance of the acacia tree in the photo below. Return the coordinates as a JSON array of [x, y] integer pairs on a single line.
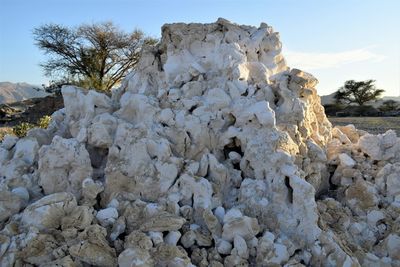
[[357, 92], [94, 55], [389, 105]]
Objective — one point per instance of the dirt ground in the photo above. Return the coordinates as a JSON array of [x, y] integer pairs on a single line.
[[375, 125]]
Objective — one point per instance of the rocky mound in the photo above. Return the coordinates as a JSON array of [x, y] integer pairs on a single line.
[[212, 153]]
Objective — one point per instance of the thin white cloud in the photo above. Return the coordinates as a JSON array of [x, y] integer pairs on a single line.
[[313, 61]]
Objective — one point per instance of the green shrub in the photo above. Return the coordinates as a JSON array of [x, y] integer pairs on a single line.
[[44, 122], [22, 129]]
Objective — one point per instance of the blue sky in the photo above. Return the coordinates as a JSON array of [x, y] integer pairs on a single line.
[[334, 40]]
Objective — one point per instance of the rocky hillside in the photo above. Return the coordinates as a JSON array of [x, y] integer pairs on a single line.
[[212, 153], [16, 92], [30, 110]]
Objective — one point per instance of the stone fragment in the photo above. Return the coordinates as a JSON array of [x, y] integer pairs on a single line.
[[237, 224], [346, 160], [10, 203], [361, 196], [172, 238], [240, 247], [101, 131], [135, 258], [223, 246], [47, 212], [156, 237], [26, 149], [107, 216], [92, 254], [161, 222], [393, 246]]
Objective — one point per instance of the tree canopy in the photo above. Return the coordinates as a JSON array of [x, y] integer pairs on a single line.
[[93, 55], [358, 92]]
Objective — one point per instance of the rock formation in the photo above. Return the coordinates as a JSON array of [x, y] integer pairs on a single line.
[[212, 153]]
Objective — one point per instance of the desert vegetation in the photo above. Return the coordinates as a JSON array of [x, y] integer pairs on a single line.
[[355, 99], [94, 56]]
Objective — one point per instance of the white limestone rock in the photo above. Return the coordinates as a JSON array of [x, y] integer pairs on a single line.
[[47, 212], [346, 160], [381, 147], [392, 243], [90, 190], [101, 131], [26, 149], [156, 237], [63, 165], [388, 183], [219, 212], [9, 142], [240, 247], [281, 254], [161, 222], [361, 196], [81, 107], [237, 224], [198, 189], [223, 246], [172, 238], [10, 204], [135, 258], [22, 192], [107, 216], [93, 248]]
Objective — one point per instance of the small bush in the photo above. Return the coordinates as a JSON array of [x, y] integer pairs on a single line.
[[22, 129], [389, 105], [44, 122]]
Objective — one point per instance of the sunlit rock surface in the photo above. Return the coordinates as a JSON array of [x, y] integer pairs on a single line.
[[212, 153]]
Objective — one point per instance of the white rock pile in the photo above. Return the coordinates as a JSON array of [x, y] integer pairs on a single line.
[[212, 153]]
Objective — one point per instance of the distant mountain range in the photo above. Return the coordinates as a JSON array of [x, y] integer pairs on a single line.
[[329, 99], [15, 92]]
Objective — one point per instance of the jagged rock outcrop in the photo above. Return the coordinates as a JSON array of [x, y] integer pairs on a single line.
[[211, 153]]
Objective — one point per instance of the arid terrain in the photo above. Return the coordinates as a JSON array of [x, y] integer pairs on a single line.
[[375, 125]]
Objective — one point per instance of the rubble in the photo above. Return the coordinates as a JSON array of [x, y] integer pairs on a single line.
[[212, 152]]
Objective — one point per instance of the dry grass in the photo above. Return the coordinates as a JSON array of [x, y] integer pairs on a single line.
[[375, 125]]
